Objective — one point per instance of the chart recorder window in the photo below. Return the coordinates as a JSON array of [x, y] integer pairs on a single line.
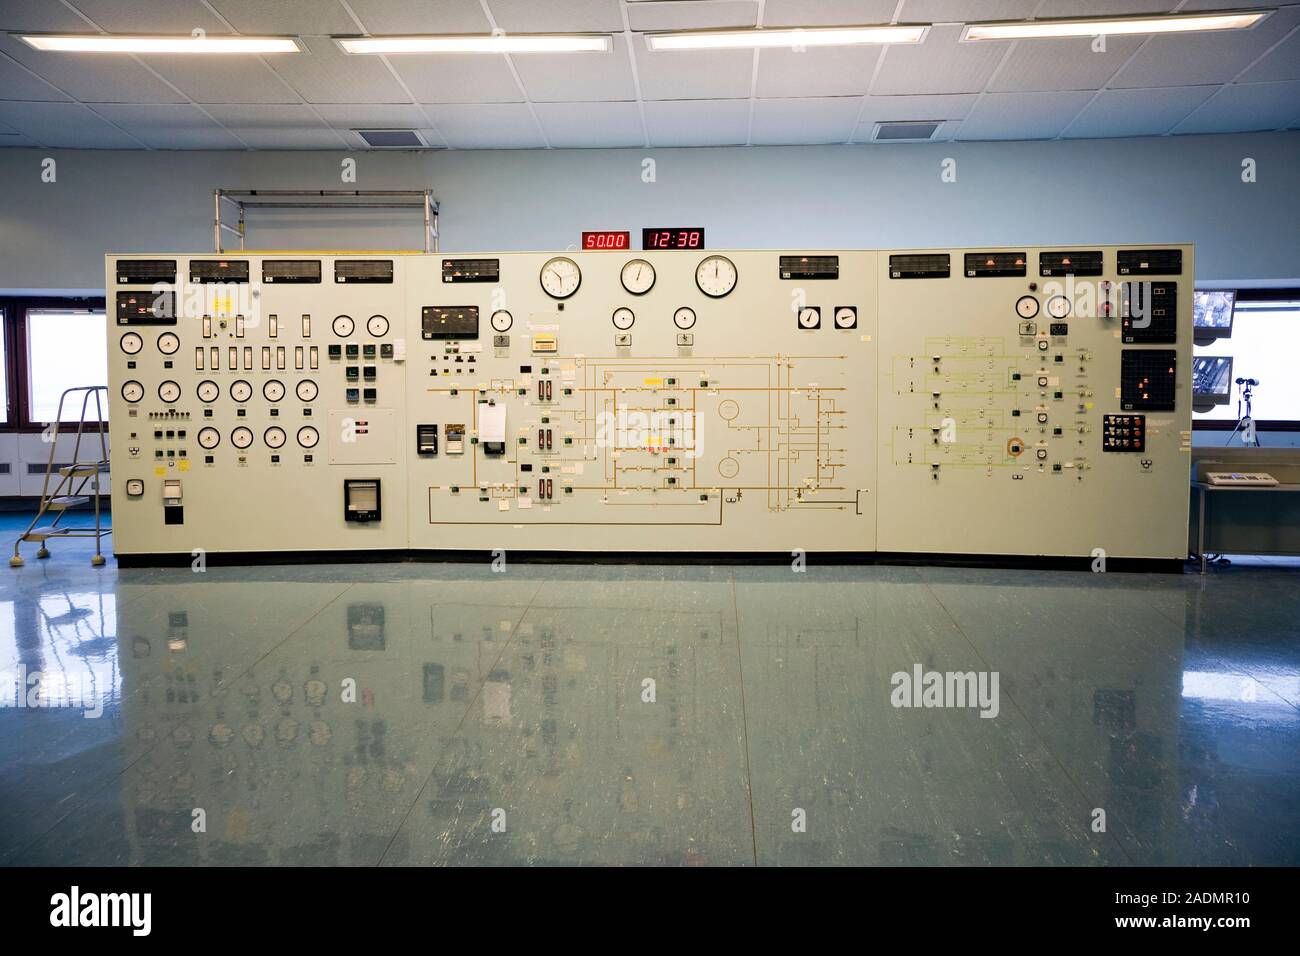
[[1246, 348]]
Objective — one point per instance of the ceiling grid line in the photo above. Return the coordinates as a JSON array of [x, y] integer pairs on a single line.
[[753, 78], [510, 63], [875, 75], [636, 74], [1294, 31]]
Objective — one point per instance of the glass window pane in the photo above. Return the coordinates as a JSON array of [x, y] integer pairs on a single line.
[[65, 348], [1264, 344], [4, 371]]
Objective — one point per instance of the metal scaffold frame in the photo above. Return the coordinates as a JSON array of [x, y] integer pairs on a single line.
[[245, 199]]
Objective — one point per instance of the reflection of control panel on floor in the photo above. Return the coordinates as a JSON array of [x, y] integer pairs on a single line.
[[975, 401]]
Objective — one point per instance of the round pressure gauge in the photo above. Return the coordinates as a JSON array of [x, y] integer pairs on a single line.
[[1058, 306], [623, 319], [169, 391], [810, 318], [307, 390], [241, 437], [638, 276], [846, 317], [274, 437], [133, 391], [501, 321], [308, 436], [168, 343], [716, 276], [560, 277], [131, 343], [1026, 307], [343, 326], [684, 317], [273, 390], [241, 391], [208, 390], [209, 437], [377, 326]]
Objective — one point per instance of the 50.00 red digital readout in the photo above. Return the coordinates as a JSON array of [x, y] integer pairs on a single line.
[[606, 240], [675, 238]]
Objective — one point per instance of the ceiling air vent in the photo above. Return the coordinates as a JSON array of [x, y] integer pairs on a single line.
[[391, 138], [912, 130]]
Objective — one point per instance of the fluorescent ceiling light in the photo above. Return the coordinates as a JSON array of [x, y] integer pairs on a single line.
[[759, 39], [1051, 29], [95, 43], [535, 43]]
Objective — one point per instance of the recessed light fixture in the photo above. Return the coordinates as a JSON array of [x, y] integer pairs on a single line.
[[1113, 26], [523, 43], [759, 39], [98, 43]]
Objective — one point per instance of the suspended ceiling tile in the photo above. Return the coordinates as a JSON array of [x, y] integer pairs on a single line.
[[243, 79], [381, 17], [287, 17], [373, 115], [1282, 63], [938, 65], [328, 75], [1136, 112], [277, 126], [591, 124], [39, 16], [149, 16], [1022, 115], [832, 13], [92, 79], [557, 16], [1044, 65], [573, 77], [169, 126], [486, 126], [965, 11], [68, 125], [692, 15], [458, 79], [886, 109], [17, 83], [780, 122], [829, 71], [697, 122], [692, 75], [1244, 108], [1065, 9]]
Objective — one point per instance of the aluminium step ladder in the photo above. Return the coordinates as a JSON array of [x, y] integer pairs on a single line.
[[71, 490]]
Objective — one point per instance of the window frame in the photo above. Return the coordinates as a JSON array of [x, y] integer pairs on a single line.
[[1261, 424], [17, 366]]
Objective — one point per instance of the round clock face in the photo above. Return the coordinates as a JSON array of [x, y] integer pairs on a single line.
[[684, 317], [208, 390], [169, 391], [241, 391], [307, 390], [343, 326], [241, 437], [1058, 306], [560, 277], [501, 321], [131, 343], [809, 318], [716, 276], [133, 391], [273, 390], [308, 436], [274, 437], [638, 276], [209, 437], [377, 326], [168, 343], [1026, 307], [623, 319]]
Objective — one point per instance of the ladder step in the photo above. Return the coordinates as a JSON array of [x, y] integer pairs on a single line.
[[42, 534], [83, 469], [66, 501]]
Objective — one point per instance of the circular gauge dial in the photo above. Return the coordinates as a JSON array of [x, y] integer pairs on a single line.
[[241, 391], [168, 343], [209, 437], [377, 326], [810, 317], [208, 390], [846, 317], [560, 277], [638, 276], [716, 276], [623, 319], [169, 391], [131, 343], [343, 326], [274, 437], [1058, 306], [241, 437], [307, 390], [684, 317], [273, 390], [308, 436], [1026, 307], [133, 391], [501, 321]]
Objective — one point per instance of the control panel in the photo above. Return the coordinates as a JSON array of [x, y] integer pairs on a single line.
[[668, 400]]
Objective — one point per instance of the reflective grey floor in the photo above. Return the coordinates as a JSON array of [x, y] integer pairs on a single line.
[[506, 718]]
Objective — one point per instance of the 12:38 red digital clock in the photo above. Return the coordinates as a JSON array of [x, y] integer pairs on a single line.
[[677, 237], [606, 240]]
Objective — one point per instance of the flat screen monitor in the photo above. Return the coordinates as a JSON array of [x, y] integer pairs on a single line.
[[1212, 314], [1211, 379]]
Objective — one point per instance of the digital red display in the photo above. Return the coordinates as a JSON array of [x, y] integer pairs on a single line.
[[676, 238], [606, 240]]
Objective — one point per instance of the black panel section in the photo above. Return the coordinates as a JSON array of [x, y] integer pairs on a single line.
[[810, 267], [1150, 262], [930, 265], [361, 499], [449, 322], [471, 270], [1147, 379], [218, 270], [1149, 312], [146, 308], [426, 439], [1085, 263], [982, 265], [145, 271], [1124, 433], [291, 271], [373, 271]]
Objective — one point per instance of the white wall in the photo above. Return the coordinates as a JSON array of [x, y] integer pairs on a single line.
[[53, 235]]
